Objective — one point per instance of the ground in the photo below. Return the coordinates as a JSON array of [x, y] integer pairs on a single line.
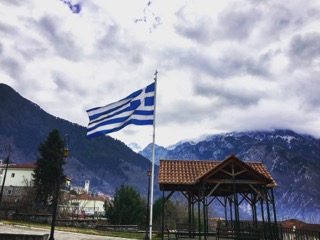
[[58, 235]]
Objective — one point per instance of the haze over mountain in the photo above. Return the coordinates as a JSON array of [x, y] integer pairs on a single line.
[[292, 159], [104, 161]]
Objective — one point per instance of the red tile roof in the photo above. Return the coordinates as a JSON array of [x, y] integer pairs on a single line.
[[182, 171], [25, 165], [188, 172], [87, 197], [300, 225]]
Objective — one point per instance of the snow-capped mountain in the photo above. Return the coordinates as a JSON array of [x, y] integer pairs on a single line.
[[292, 159], [135, 147]]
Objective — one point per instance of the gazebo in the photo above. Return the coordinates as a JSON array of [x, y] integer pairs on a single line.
[[230, 182]]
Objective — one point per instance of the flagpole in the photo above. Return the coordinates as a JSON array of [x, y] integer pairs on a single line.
[[153, 148]]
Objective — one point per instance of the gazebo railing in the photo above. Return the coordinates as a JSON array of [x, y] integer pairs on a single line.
[[248, 230], [300, 234]]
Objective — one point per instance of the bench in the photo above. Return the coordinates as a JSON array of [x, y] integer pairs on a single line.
[[243, 233], [171, 232], [185, 230], [225, 233], [182, 230]]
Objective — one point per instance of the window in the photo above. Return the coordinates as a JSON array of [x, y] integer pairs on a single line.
[[9, 192], [12, 175]]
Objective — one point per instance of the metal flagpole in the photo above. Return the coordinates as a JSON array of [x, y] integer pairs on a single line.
[[152, 168]]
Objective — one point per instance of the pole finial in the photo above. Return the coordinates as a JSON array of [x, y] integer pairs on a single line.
[[155, 75]]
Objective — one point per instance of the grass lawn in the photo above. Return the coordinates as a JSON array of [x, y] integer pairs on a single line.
[[138, 235]]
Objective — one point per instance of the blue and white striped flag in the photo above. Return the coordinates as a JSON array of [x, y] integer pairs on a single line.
[[137, 108]]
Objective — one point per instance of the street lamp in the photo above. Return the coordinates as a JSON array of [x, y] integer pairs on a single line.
[[55, 203], [148, 205]]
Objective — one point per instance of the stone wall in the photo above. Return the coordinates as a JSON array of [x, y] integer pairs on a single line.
[[37, 218], [118, 228], [79, 223]]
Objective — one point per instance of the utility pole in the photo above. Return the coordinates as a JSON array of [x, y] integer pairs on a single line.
[[7, 151]]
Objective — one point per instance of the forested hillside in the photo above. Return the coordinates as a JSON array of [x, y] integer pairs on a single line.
[[104, 161]]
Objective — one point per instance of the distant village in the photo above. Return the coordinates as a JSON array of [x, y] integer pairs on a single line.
[[74, 201]]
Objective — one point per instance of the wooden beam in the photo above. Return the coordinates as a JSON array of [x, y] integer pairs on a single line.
[[236, 181], [167, 197], [245, 196], [230, 174], [257, 192], [213, 189], [238, 173]]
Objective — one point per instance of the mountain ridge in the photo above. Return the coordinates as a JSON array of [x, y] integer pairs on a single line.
[[292, 159]]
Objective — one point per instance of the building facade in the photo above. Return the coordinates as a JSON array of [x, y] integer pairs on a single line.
[[18, 175]]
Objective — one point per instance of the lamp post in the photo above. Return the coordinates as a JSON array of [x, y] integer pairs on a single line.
[[55, 203], [148, 205], [8, 151]]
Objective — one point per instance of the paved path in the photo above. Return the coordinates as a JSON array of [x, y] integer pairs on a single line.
[[58, 235]]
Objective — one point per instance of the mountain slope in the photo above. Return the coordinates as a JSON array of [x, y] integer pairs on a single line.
[[104, 161], [292, 159]]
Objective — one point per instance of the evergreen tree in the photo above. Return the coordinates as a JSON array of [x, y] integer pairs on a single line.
[[48, 167], [128, 207]]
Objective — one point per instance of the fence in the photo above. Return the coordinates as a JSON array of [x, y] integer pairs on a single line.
[[274, 231], [299, 234]]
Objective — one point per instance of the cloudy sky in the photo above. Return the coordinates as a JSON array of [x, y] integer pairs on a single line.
[[223, 66]]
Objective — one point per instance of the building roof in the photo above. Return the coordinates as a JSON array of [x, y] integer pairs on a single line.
[[17, 166], [87, 197], [183, 171], [176, 174], [300, 225]]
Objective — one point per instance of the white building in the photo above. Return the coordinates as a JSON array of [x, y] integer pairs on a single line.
[[17, 183], [19, 178], [18, 175], [86, 205]]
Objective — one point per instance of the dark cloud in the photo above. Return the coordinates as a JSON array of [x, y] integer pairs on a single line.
[[12, 67], [306, 89], [111, 38], [65, 84], [238, 24], [313, 13], [62, 42], [14, 2], [260, 65], [304, 49], [310, 91], [7, 29], [60, 79], [232, 63], [280, 19], [116, 46], [188, 112], [278, 22], [232, 24], [228, 96], [201, 31], [32, 51]]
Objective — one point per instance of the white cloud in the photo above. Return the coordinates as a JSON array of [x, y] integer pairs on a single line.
[[223, 66]]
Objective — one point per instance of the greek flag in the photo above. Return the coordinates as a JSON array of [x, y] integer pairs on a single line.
[[137, 108]]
